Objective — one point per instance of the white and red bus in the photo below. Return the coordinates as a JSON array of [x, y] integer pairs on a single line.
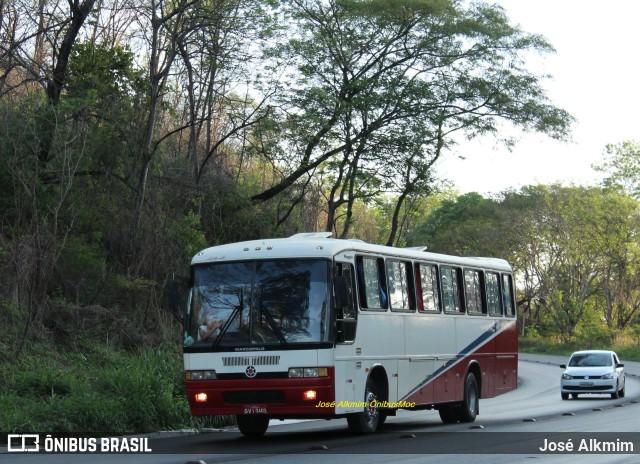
[[314, 327]]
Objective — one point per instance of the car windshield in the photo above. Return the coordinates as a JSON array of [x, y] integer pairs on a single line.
[[276, 302], [590, 360]]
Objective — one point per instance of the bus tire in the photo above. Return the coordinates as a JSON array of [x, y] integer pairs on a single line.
[[448, 413], [253, 426], [470, 406], [383, 418], [369, 419]]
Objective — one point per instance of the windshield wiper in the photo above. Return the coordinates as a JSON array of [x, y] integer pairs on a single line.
[[227, 324], [274, 326]]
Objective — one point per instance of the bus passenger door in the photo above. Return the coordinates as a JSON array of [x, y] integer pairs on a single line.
[[346, 317]]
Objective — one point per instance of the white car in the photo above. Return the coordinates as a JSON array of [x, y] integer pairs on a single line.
[[594, 371]]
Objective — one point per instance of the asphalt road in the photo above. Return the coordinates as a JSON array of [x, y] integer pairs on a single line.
[[519, 426]]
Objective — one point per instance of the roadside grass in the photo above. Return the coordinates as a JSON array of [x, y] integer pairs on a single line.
[[96, 389]]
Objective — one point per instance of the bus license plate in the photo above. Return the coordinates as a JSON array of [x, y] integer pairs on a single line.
[[256, 410]]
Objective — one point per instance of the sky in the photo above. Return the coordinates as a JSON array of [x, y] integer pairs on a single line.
[[596, 79]]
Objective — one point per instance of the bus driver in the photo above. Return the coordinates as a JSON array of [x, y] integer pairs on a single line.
[[209, 325], [210, 328]]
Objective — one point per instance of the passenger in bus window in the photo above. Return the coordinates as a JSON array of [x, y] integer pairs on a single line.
[[210, 325], [210, 329]]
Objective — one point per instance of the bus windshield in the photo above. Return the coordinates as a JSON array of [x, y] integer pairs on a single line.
[[276, 302]]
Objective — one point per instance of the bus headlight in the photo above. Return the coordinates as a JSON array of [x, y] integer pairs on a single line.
[[200, 375], [298, 372]]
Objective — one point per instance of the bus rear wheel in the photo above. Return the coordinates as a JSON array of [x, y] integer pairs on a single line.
[[370, 418], [470, 406], [253, 426]]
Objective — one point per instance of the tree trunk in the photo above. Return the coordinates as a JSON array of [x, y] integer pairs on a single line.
[[79, 13]]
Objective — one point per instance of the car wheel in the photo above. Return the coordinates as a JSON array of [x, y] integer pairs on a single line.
[[565, 396], [621, 393], [615, 395]]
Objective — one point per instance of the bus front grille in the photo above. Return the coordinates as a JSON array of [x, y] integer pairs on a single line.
[[251, 360], [252, 397]]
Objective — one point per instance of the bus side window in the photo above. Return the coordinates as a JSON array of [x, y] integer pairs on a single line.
[[399, 276], [371, 282], [451, 291], [346, 314], [507, 295], [494, 302], [473, 291], [427, 282]]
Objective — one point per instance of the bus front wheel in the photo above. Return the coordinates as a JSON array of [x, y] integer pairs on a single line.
[[253, 426], [370, 418], [448, 413]]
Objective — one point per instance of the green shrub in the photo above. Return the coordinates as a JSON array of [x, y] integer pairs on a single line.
[[91, 411], [145, 387], [98, 391], [42, 381]]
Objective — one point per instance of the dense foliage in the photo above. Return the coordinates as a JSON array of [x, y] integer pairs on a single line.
[[132, 137], [576, 252]]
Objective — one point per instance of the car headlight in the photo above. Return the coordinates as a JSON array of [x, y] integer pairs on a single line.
[[566, 377], [608, 376]]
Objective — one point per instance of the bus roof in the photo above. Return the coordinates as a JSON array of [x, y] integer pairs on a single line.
[[319, 245]]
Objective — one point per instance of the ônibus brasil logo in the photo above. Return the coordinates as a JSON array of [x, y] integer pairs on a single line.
[[34, 443]]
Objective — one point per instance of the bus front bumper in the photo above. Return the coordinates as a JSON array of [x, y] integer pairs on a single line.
[[298, 397]]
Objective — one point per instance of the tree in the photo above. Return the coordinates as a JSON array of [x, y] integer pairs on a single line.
[[214, 60], [622, 164], [466, 226], [616, 239], [166, 23], [558, 254], [43, 143], [574, 250], [41, 216], [376, 85]]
